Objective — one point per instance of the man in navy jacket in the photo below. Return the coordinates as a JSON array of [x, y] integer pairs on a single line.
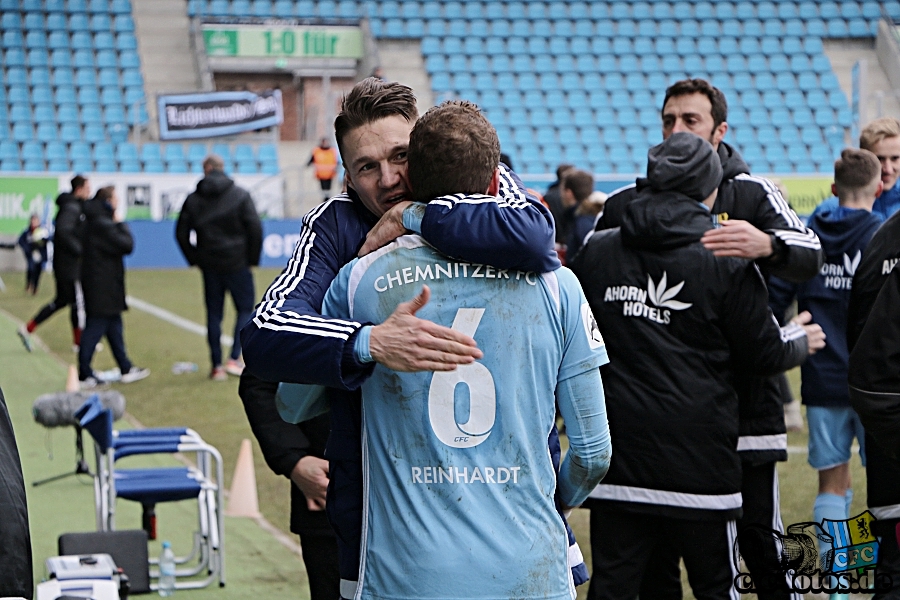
[[288, 340]]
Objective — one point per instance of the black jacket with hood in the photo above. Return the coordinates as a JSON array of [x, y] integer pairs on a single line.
[[798, 257], [678, 323], [67, 235], [873, 336], [229, 233], [103, 269]]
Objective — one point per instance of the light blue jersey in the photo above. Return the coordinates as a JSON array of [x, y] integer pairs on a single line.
[[459, 487]]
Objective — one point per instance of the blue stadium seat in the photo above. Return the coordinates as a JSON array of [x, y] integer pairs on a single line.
[[37, 57], [859, 28], [18, 94], [127, 151], [47, 132], [100, 23], [44, 113], [20, 112], [114, 114], [126, 41], [128, 60], [82, 40], [816, 28], [61, 59], [36, 39]]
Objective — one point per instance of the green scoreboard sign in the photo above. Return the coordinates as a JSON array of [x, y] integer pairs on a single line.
[[264, 41]]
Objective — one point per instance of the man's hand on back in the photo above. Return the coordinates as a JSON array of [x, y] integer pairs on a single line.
[[388, 228], [815, 337], [310, 474], [407, 343], [738, 238]]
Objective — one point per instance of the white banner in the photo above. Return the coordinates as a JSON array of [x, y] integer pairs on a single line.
[[159, 196]]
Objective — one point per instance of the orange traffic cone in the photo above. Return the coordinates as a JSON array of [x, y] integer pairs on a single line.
[[72, 384], [243, 500]]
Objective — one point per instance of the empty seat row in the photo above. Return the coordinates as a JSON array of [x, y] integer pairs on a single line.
[[416, 28], [80, 40], [66, 23], [626, 10], [119, 7], [643, 46]]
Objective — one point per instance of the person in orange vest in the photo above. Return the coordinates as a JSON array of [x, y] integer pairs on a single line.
[[325, 161]]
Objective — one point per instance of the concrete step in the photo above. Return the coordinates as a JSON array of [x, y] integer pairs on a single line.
[[402, 61], [843, 54]]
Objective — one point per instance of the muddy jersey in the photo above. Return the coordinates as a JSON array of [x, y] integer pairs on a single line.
[[459, 481]]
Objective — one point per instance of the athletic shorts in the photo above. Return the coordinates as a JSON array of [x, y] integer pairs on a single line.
[[831, 433]]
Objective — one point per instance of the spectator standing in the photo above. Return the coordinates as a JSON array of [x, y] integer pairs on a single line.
[[575, 192], [324, 159], [873, 390], [228, 242], [673, 412], [881, 137], [66, 263], [298, 453], [753, 222], [33, 243], [15, 536], [845, 232], [106, 241], [554, 200]]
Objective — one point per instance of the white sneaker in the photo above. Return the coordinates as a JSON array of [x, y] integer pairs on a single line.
[[25, 337], [135, 374], [110, 375], [234, 367], [90, 383]]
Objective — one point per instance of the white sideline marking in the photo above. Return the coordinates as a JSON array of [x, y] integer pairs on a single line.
[[174, 319]]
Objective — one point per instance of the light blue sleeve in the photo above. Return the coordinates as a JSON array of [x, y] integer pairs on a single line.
[[579, 395], [583, 408], [584, 348], [301, 402]]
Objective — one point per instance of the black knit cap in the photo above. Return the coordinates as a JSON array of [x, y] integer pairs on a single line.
[[684, 163]]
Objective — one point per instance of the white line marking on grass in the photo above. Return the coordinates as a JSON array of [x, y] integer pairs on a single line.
[[174, 319]]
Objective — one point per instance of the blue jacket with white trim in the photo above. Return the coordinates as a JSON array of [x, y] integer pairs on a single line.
[[288, 340]]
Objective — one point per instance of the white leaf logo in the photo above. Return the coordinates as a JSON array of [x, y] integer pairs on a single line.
[[662, 297], [851, 265]]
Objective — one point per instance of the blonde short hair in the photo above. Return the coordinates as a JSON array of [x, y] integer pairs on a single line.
[[878, 130]]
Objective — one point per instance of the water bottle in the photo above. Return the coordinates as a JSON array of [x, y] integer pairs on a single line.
[[166, 571], [184, 367]]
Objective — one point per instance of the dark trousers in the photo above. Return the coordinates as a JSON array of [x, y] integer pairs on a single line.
[[320, 555], [240, 285], [33, 274], [68, 293], [623, 544], [762, 511], [96, 328]]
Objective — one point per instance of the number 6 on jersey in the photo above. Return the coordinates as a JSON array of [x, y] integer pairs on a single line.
[[482, 396]]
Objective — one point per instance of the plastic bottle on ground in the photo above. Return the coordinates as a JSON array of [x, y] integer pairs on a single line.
[[166, 571]]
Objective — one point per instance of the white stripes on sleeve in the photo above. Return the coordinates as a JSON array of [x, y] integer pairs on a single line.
[[269, 314]]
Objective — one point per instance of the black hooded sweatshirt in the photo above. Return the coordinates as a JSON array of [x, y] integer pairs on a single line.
[[678, 323], [67, 236], [229, 233]]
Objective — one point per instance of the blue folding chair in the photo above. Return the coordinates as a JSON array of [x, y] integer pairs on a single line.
[[201, 481]]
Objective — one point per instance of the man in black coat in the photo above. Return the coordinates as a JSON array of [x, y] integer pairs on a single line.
[[873, 337], [678, 323], [228, 243], [16, 577], [298, 453], [66, 262], [106, 242]]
